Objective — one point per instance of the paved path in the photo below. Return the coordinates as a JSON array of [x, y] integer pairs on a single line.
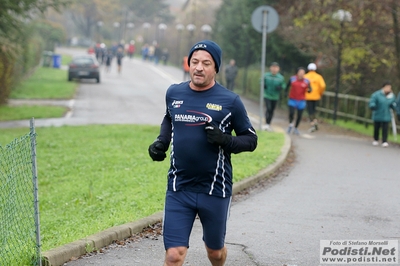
[[339, 187]]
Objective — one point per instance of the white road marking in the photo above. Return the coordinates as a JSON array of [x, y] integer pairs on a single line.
[[165, 75]]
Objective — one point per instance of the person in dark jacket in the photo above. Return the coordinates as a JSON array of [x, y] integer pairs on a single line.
[[157, 54], [380, 103], [120, 56], [230, 74], [108, 59]]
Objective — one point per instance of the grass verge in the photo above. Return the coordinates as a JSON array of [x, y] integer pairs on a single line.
[[66, 59], [362, 129], [94, 177], [45, 83], [8, 113]]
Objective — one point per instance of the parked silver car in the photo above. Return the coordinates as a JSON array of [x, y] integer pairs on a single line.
[[84, 67]]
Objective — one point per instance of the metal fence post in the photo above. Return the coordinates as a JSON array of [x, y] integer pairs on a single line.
[[35, 190]]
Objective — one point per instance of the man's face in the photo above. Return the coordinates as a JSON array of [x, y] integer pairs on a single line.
[[274, 69], [300, 73], [202, 69]]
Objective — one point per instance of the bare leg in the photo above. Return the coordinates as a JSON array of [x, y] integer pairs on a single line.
[[175, 256], [217, 257]]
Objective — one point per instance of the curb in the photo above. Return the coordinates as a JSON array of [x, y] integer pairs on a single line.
[[266, 172], [60, 255]]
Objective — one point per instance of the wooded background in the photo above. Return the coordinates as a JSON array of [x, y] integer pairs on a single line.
[[307, 32]]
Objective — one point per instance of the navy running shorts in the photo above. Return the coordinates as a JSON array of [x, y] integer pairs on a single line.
[[181, 208]]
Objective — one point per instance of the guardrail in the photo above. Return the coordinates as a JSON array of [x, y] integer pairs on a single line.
[[349, 107]]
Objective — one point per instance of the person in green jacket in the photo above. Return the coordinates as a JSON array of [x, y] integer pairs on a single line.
[[380, 103], [274, 82]]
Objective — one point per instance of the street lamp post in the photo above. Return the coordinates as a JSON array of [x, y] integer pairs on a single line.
[[206, 29], [342, 16], [130, 26], [246, 52], [99, 25], [146, 27], [191, 28], [161, 28], [116, 26], [179, 28]]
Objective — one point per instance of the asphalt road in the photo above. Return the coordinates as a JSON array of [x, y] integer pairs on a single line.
[[135, 96], [339, 187]]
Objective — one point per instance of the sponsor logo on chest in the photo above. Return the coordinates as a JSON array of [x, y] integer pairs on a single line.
[[176, 104]]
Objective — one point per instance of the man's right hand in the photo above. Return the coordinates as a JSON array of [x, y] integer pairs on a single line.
[[157, 151]]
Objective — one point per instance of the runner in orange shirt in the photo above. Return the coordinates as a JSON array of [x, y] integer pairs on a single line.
[[185, 67]]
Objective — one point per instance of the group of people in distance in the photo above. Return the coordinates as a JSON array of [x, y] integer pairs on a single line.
[[305, 90], [154, 53], [105, 55]]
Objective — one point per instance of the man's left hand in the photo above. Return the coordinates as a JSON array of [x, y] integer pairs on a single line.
[[216, 136]]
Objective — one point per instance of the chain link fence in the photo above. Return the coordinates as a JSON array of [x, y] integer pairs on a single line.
[[19, 212]]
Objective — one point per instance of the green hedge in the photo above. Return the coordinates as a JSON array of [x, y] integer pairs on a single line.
[[21, 53]]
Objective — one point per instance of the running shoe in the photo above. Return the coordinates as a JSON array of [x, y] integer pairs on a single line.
[[289, 129], [267, 128]]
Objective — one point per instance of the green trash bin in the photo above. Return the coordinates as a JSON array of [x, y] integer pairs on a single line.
[[47, 58]]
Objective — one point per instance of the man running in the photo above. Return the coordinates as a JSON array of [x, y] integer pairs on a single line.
[[199, 120], [318, 86], [274, 82]]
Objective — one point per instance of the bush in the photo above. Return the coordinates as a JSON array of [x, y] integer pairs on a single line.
[[21, 53], [6, 74]]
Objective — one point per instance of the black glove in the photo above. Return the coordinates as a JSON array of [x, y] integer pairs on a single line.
[[278, 87], [157, 151], [216, 136]]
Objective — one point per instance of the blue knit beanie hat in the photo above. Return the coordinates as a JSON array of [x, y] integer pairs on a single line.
[[212, 48]]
